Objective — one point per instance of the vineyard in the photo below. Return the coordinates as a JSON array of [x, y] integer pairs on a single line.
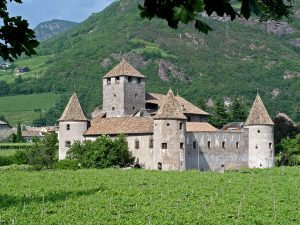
[[114, 196]]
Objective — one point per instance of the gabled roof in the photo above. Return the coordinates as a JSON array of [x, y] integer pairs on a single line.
[[200, 127], [258, 114], [73, 111], [170, 108], [187, 107], [124, 69], [120, 125]]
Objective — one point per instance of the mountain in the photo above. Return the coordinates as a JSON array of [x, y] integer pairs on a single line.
[[236, 59], [48, 29]]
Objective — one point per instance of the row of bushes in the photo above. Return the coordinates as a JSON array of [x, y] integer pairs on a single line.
[[20, 157]]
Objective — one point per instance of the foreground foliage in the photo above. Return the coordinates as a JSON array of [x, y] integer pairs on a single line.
[[150, 197], [103, 153], [290, 151]]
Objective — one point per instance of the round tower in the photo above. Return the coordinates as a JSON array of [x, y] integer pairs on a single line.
[[261, 136], [72, 125], [169, 135]]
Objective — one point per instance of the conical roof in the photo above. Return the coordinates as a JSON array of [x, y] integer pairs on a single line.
[[124, 69], [170, 108], [73, 111], [258, 114]]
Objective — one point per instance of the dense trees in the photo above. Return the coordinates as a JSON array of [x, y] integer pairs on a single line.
[[290, 151], [102, 153]]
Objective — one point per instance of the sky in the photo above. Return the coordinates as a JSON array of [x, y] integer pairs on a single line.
[[37, 11]]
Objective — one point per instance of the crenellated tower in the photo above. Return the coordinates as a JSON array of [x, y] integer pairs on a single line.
[[261, 136]]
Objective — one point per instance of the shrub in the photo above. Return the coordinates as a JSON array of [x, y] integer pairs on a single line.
[[20, 157], [67, 164], [6, 160]]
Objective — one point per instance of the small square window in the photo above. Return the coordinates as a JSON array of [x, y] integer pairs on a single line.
[[270, 145], [130, 79], [108, 81], [181, 145], [117, 80], [164, 145], [237, 145], [194, 144], [138, 80], [68, 127], [189, 118], [68, 144], [180, 126]]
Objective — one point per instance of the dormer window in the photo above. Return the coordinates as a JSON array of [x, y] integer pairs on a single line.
[[108, 80], [117, 80], [129, 79]]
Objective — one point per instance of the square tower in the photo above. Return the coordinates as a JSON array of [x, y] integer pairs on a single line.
[[123, 91]]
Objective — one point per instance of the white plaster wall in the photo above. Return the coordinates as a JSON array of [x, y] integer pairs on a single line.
[[217, 158], [261, 154], [74, 134], [172, 158]]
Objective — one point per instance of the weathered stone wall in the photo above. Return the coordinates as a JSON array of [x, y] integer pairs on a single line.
[[218, 156], [113, 97], [74, 134], [5, 132], [261, 146], [169, 132], [134, 95]]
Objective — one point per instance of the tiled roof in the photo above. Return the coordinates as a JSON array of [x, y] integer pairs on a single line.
[[120, 125], [258, 114], [170, 108], [123, 69], [199, 126], [73, 111], [187, 107]]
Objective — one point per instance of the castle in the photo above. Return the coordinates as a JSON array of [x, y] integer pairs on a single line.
[[166, 131]]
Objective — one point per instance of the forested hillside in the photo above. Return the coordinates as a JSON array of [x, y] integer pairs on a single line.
[[236, 59]]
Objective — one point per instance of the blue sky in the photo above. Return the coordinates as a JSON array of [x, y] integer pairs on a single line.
[[37, 11]]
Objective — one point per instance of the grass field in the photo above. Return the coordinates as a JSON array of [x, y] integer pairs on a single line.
[[35, 64], [9, 152], [22, 107], [115, 196]]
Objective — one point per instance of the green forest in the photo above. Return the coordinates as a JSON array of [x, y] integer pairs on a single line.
[[236, 60]]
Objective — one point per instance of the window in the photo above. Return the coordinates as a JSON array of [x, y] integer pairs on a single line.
[[168, 124], [270, 145], [117, 80], [223, 144], [181, 145], [180, 126], [151, 143], [68, 126], [258, 131], [115, 95], [133, 108], [68, 144], [194, 144], [237, 145], [113, 108], [164, 145], [130, 79], [208, 144], [256, 147], [138, 80], [189, 118], [137, 144], [108, 81], [135, 95]]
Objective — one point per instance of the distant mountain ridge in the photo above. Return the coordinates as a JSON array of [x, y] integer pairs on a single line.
[[236, 59], [48, 29]]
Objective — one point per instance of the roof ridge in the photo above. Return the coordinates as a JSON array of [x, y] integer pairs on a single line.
[[170, 108], [73, 110], [258, 114], [124, 69]]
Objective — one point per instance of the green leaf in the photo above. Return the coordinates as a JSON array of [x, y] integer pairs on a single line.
[[202, 27]]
